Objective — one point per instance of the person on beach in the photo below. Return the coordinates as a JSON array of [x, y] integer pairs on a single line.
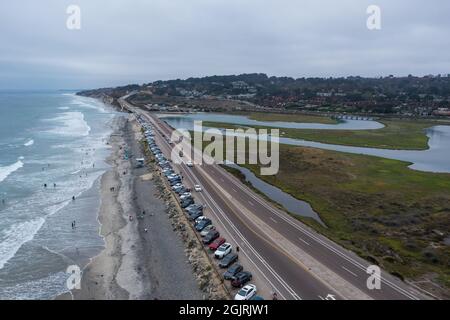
[[45, 185], [73, 198], [3, 201], [54, 185]]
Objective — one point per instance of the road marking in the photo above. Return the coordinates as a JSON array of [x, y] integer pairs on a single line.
[[234, 190], [250, 203], [352, 273], [320, 241], [273, 220], [307, 243]]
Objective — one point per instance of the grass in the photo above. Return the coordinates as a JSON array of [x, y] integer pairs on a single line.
[[293, 117], [377, 207], [397, 134]]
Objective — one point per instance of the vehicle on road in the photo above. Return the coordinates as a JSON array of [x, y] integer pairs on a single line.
[[211, 236], [241, 279], [207, 229], [232, 271], [223, 250], [198, 188], [189, 164], [203, 224], [216, 244], [228, 260], [246, 293]]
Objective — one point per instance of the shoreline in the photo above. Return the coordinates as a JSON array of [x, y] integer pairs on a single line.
[[134, 264]]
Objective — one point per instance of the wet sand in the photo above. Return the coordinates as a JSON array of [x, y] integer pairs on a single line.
[[135, 263]]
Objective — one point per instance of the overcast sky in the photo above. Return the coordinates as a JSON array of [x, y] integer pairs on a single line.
[[136, 41]]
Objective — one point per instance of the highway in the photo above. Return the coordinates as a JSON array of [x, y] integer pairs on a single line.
[[295, 261]]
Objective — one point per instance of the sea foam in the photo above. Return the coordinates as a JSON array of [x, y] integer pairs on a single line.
[[29, 143], [6, 171], [70, 124], [13, 238]]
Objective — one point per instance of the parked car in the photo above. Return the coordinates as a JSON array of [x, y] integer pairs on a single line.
[[203, 224], [241, 279], [223, 250], [216, 244], [207, 229], [211, 236], [232, 271], [228, 260], [194, 208], [174, 182], [198, 188], [185, 195], [195, 215], [189, 164], [186, 202], [246, 293]]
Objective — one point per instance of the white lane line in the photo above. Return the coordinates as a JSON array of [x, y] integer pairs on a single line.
[[250, 203], [273, 220], [264, 263], [305, 242], [234, 190], [320, 241], [352, 273]]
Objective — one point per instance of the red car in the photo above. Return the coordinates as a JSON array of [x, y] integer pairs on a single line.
[[216, 243]]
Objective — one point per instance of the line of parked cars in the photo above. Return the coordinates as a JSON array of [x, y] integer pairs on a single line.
[[223, 251]]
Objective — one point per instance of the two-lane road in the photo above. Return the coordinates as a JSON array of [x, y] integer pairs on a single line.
[[298, 262]]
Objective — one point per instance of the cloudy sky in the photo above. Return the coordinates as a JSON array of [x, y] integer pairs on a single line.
[[136, 41]]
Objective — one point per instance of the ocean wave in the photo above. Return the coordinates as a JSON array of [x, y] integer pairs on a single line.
[[72, 124], [29, 143], [78, 101], [40, 289], [6, 171], [13, 238], [63, 108]]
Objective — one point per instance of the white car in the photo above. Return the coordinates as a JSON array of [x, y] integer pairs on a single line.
[[197, 188], [185, 195], [207, 229], [197, 221], [189, 164], [246, 293], [223, 250]]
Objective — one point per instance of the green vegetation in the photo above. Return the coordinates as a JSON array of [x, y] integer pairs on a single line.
[[376, 207], [397, 134], [293, 117]]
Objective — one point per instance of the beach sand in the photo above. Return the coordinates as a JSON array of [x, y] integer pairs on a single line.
[[143, 257]]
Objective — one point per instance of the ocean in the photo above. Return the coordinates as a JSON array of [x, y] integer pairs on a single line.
[[57, 139]]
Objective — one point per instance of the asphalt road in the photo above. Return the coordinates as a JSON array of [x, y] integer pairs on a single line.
[[295, 261]]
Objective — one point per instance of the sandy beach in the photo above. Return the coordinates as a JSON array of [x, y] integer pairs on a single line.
[[143, 257]]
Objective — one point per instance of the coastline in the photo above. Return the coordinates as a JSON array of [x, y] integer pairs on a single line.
[[134, 264]]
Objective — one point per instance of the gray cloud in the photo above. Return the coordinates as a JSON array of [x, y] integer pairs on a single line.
[[144, 40]]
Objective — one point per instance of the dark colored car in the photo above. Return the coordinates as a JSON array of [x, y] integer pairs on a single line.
[[174, 182], [232, 271], [187, 202], [241, 279], [203, 224], [194, 208], [194, 215], [216, 244], [211, 236], [228, 260]]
